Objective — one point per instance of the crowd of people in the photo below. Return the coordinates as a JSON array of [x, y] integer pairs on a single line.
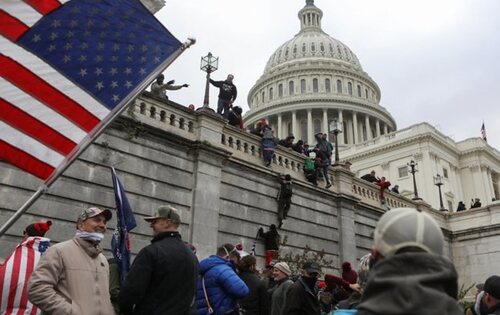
[[406, 272]]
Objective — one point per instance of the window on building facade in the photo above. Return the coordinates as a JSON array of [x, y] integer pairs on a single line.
[[339, 86], [291, 89], [328, 87], [403, 171], [366, 93], [271, 94], [280, 90], [359, 90], [445, 172], [315, 85], [263, 96], [303, 86], [349, 88]]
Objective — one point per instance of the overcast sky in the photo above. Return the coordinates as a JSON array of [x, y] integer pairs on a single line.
[[434, 60]]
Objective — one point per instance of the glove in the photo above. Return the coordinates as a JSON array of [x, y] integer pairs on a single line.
[[170, 82]]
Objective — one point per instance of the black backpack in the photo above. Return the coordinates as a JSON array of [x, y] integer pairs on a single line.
[[286, 190]]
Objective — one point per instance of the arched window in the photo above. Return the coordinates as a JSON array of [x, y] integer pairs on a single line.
[[315, 85], [313, 47], [339, 86], [280, 90], [291, 89], [294, 49], [328, 87], [366, 93], [263, 96], [271, 94], [359, 90], [322, 47], [303, 47], [349, 88], [303, 86]]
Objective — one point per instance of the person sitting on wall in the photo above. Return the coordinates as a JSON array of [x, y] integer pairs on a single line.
[[476, 203], [395, 189], [370, 177], [235, 118], [461, 206], [383, 184], [287, 142]]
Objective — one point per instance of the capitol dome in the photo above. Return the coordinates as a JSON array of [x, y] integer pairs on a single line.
[[313, 79]]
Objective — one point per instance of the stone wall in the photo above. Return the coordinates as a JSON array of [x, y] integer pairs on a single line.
[[213, 173]]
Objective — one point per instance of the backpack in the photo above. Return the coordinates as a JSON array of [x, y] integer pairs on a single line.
[[309, 165], [286, 190], [324, 148]]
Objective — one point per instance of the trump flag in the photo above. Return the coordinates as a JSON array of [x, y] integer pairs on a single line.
[[67, 68], [120, 243]]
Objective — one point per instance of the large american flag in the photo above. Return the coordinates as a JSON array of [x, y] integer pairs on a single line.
[[15, 274], [67, 68]]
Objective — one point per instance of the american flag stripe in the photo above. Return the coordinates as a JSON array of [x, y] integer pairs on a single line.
[[52, 78], [44, 6], [22, 11], [11, 27], [25, 161], [39, 89], [52, 119]]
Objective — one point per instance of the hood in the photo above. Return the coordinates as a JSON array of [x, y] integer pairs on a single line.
[[212, 261], [411, 284]]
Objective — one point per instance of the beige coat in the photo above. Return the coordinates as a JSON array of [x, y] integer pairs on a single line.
[[67, 281]]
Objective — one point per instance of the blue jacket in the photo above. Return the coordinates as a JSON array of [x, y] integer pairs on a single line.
[[223, 286]]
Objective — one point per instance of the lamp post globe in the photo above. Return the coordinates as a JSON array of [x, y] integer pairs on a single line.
[[208, 64]]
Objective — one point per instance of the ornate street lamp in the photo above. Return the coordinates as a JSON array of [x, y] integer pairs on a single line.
[[336, 128], [438, 181], [209, 64], [412, 168]]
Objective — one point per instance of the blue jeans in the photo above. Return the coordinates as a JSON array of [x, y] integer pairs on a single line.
[[223, 105]]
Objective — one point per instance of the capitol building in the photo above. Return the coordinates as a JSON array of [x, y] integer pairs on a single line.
[[314, 79]]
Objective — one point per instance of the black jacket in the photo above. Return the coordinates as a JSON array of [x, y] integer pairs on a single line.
[[257, 300], [301, 300], [162, 279], [271, 239], [411, 284], [227, 90]]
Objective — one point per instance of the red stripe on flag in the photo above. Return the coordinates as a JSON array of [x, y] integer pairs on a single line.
[[10, 27], [39, 89], [30, 264], [34, 128], [15, 276], [43, 6], [24, 161]]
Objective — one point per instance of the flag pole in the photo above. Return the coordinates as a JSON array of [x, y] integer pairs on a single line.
[[92, 136]]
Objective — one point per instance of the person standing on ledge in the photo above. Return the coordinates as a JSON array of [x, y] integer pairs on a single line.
[[227, 95], [160, 89]]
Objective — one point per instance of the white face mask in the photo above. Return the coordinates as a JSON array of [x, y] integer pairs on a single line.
[[94, 236]]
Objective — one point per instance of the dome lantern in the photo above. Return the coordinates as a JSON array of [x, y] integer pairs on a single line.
[[310, 17]]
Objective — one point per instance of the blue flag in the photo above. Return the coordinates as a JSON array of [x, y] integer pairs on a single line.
[[120, 243]]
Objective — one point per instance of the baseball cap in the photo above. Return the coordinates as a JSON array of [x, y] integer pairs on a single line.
[[94, 211], [492, 286], [407, 227], [165, 212], [311, 267]]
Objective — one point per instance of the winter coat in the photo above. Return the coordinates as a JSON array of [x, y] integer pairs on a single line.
[[411, 284], [278, 296], [271, 239], [301, 300], [69, 281], [222, 284], [227, 90], [348, 274], [162, 279], [257, 301]]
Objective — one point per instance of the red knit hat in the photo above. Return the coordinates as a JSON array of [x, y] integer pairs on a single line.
[[38, 228]]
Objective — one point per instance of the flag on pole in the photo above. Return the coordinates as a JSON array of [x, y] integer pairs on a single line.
[[483, 132], [120, 242], [15, 274], [68, 67]]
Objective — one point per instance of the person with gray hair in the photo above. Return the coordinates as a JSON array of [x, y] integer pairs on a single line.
[[160, 89], [281, 275], [72, 277], [163, 277], [410, 274]]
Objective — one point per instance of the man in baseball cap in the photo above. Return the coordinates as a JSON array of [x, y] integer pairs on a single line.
[[302, 295], [73, 276], [409, 266], [488, 300]]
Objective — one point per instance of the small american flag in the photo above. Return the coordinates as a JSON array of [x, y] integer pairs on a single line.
[[483, 132], [67, 69], [15, 274]]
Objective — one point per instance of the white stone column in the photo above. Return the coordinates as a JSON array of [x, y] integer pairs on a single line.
[[310, 136], [325, 121], [377, 127], [341, 122], [369, 135], [294, 123], [280, 127], [355, 128], [385, 129]]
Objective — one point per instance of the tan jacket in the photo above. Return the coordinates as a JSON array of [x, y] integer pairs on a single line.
[[67, 281]]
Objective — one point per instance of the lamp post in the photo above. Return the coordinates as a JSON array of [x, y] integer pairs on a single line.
[[209, 64], [438, 181], [412, 168], [336, 128]]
